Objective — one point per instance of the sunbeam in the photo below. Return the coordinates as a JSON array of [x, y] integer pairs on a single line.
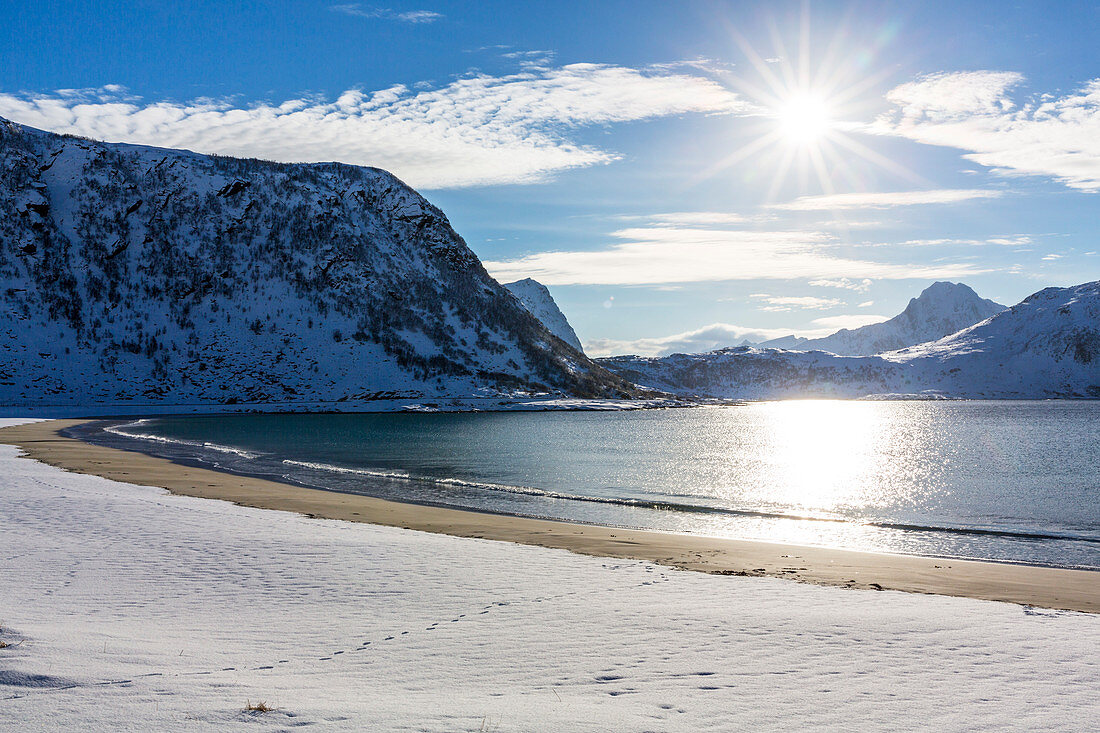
[[806, 111]]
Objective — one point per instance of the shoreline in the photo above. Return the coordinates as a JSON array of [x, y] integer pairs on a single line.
[[1056, 588], [74, 432]]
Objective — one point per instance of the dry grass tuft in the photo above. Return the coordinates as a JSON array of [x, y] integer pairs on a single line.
[[260, 707], [488, 725]]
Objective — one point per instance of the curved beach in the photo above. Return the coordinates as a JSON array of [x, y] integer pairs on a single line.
[[1054, 588]]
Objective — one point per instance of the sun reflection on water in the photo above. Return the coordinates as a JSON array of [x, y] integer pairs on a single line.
[[831, 457], [822, 452], [970, 479]]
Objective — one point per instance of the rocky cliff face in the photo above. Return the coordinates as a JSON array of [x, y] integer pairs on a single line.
[[132, 274]]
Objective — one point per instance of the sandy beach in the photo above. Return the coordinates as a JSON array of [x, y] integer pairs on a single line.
[[128, 607], [1033, 586]]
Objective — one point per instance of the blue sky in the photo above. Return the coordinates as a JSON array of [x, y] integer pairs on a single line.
[[682, 175]]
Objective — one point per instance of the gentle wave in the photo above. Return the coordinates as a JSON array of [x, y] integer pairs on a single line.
[[118, 430], [1015, 534], [687, 507], [342, 469]]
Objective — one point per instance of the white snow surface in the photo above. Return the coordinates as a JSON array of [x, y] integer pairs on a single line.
[[128, 608], [541, 304]]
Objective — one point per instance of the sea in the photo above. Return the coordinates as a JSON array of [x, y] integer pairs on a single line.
[[1008, 481]]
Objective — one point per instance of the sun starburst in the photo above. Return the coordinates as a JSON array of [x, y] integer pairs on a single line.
[[805, 107]]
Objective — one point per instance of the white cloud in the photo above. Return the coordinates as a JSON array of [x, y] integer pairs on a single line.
[[696, 218], [419, 16], [860, 286], [408, 16], [661, 255], [845, 225], [1016, 241], [1053, 136], [533, 57], [707, 338], [720, 335], [843, 201], [474, 131], [849, 321], [784, 303], [948, 95]]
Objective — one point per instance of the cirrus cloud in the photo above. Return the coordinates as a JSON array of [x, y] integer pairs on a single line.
[[658, 255], [784, 303], [886, 199], [844, 283], [477, 130], [407, 16], [1053, 136]]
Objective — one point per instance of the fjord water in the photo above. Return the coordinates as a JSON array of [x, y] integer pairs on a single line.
[[1013, 481]]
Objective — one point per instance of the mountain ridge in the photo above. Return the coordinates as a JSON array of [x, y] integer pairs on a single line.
[[1046, 346], [131, 273], [940, 310]]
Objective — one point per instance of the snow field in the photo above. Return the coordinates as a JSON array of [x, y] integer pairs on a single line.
[[131, 609]]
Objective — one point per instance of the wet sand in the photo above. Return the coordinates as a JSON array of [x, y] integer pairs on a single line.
[[1077, 590]]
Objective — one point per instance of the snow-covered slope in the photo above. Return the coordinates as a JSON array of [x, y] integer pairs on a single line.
[[139, 276], [537, 299], [1046, 346], [941, 309]]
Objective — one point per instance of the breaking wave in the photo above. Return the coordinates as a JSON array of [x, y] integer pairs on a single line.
[[121, 430], [672, 506]]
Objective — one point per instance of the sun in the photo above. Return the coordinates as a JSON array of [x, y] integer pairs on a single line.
[[806, 101], [804, 118]]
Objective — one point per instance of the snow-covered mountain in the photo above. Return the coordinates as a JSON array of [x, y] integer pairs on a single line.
[[537, 299], [941, 309], [142, 276], [746, 372], [1046, 346]]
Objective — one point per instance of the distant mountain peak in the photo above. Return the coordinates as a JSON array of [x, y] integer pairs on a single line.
[[941, 309], [942, 294], [536, 298], [946, 286], [1046, 346]]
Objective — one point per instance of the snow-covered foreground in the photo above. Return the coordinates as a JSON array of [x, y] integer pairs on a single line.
[[130, 609]]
